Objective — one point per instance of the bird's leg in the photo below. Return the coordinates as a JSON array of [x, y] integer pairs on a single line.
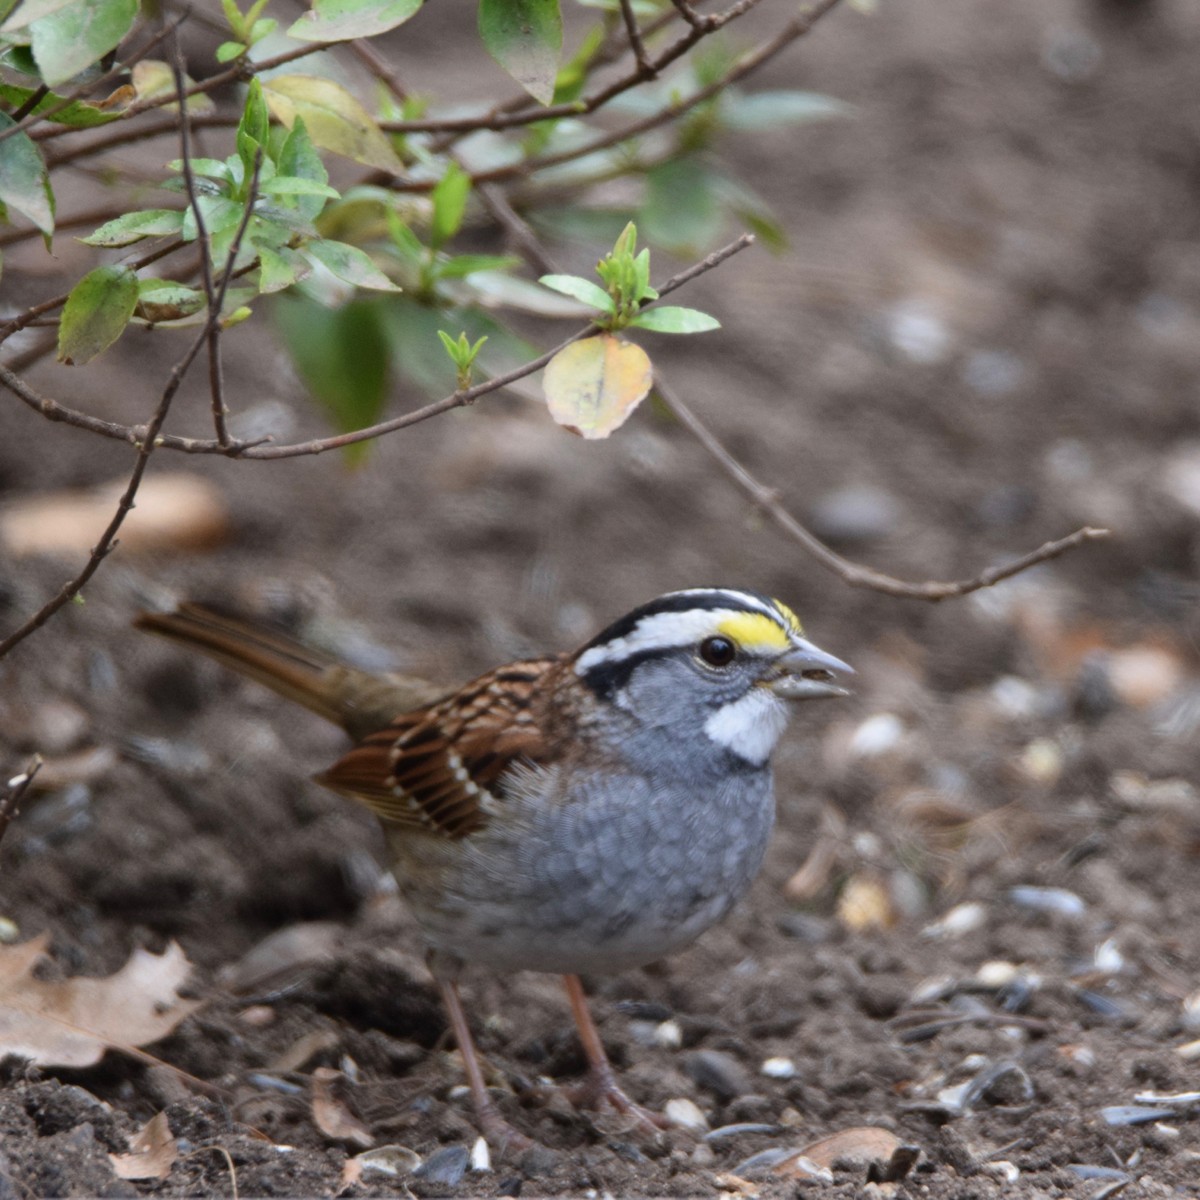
[[492, 1125], [601, 1085]]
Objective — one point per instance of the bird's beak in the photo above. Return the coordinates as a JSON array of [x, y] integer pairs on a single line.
[[806, 672]]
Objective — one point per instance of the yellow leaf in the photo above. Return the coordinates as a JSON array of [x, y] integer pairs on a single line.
[[592, 386], [334, 119], [151, 78]]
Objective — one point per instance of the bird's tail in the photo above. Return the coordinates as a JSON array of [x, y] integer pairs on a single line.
[[357, 700]]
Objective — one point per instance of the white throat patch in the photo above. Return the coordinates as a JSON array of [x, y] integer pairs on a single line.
[[750, 726]]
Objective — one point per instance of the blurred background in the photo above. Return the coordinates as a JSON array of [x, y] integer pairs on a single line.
[[971, 325]]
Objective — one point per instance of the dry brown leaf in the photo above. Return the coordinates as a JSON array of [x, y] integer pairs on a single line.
[[175, 511], [152, 1152], [72, 1022], [860, 1145], [331, 1113]]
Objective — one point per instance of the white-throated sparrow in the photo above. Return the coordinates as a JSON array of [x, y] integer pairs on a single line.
[[584, 812]]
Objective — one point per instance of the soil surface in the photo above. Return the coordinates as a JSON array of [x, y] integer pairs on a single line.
[[976, 933]]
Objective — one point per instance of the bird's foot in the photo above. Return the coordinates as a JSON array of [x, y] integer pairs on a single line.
[[600, 1088], [506, 1141]]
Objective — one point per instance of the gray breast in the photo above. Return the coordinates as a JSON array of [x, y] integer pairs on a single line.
[[623, 872]]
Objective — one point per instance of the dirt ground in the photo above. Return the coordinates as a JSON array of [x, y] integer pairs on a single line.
[[977, 928]]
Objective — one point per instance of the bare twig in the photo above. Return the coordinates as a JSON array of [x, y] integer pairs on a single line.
[[146, 439], [14, 791], [745, 65], [206, 275], [852, 573], [35, 98], [54, 411], [691, 16], [645, 66]]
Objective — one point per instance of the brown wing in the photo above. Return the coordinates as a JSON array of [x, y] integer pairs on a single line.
[[436, 768]]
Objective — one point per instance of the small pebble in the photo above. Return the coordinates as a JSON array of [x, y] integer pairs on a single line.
[[685, 1114], [389, 1160], [996, 974], [447, 1166], [1041, 762], [878, 734], [854, 513], [1189, 1051], [704, 1155], [1003, 1169], [481, 1158], [778, 1068], [719, 1073], [739, 1130], [962, 918], [1108, 958], [1047, 899], [10, 931], [668, 1035], [1134, 1114]]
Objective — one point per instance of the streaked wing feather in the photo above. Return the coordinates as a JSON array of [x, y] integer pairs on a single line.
[[435, 768]]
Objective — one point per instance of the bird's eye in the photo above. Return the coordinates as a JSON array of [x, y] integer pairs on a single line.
[[717, 651]]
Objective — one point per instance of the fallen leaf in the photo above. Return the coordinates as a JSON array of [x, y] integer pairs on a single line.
[[864, 903], [72, 1022], [177, 511], [331, 1113], [152, 1152], [593, 385], [860, 1145]]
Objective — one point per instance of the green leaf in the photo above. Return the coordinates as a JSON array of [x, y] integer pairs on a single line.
[[525, 38], [339, 20], [96, 313], [772, 110], [279, 267], [228, 51], [70, 40], [334, 119], [681, 211], [292, 185], [592, 386], [166, 300], [132, 227], [463, 265], [343, 356], [581, 289], [77, 114], [350, 264], [671, 319], [24, 181], [298, 158], [213, 168], [254, 129], [219, 212], [449, 205]]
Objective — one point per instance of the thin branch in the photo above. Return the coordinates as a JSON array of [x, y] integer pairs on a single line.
[[645, 66], [206, 275], [54, 411], [147, 439], [15, 791], [521, 112], [747, 63], [691, 16], [35, 98], [851, 573]]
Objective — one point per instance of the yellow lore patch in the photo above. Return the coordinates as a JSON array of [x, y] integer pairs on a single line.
[[758, 632]]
